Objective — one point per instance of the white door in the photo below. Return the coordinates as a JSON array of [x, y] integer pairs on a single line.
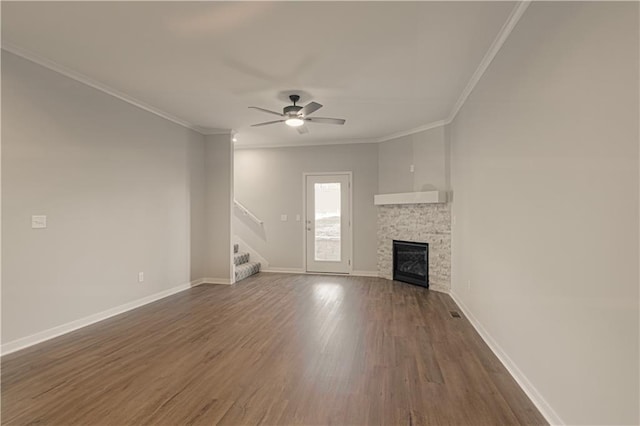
[[328, 223]]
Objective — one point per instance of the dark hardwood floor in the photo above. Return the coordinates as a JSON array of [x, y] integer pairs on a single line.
[[273, 349]]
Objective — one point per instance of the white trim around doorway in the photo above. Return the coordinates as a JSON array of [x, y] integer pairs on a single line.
[[304, 216]]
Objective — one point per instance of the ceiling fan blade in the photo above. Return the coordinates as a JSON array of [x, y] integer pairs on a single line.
[[302, 129], [268, 122], [324, 120], [309, 108], [267, 110]]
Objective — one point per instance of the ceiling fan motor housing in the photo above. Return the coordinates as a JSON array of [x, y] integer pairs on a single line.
[[291, 110]]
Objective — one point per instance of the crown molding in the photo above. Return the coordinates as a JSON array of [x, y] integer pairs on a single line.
[[503, 34], [60, 69], [207, 131], [409, 132], [415, 130], [304, 145], [501, 37]]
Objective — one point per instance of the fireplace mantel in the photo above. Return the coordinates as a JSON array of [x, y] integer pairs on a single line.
[[427, 197]]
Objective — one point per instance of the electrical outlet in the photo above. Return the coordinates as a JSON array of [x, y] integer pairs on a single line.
[[412, 168], [469, 285], [38, 222], [283, 217], [140, 277]]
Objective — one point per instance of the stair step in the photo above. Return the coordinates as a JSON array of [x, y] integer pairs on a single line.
[[246, 270], [235, 248], [240, 258]]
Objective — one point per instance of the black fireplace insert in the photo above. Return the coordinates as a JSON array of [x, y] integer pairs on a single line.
[[411, 262]]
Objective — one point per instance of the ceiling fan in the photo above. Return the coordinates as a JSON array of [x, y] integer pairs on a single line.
[[296, 116]]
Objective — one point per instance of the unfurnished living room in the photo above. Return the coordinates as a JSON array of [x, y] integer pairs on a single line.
[[313, 213]]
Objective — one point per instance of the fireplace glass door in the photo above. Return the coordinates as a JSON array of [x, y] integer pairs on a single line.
[[411, 262]]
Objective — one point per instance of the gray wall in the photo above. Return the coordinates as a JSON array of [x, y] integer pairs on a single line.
[[198, 220], [122, 189], [219, 207], [545, 183], [427, 151], [269, 183]]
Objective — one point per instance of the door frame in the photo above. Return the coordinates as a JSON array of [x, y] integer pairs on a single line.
[[304, 219]]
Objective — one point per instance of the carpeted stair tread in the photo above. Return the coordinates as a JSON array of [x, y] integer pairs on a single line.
[[243, 266], [240, 257], [246, 270]]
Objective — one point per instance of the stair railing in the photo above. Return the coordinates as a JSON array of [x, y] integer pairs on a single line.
[[245, 211]]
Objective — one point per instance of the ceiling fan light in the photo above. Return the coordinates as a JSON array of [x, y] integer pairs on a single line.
[[294, 122]]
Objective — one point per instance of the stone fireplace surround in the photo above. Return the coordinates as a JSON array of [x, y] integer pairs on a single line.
[[423, 223]]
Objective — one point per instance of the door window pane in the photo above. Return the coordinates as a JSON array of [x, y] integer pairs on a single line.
[[327, 222]]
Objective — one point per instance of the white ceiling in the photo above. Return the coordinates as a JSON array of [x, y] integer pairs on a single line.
[[385, 67]]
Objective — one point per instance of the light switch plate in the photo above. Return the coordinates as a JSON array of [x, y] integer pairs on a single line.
[[38, 222], [412, 168], [283, 217], [297, 218]]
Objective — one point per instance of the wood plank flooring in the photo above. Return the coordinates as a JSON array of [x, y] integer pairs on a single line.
[[272, 349]]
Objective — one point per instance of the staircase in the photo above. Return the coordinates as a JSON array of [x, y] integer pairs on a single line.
[[243, 267]]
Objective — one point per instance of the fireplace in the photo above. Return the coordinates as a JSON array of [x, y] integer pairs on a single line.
[[411, 262]]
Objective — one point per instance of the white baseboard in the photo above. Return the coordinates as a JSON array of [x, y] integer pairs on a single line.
[[302, 271], [223, 281], [197, 282], [364, 273], [285, 270], [25, 342], [538, 400]]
